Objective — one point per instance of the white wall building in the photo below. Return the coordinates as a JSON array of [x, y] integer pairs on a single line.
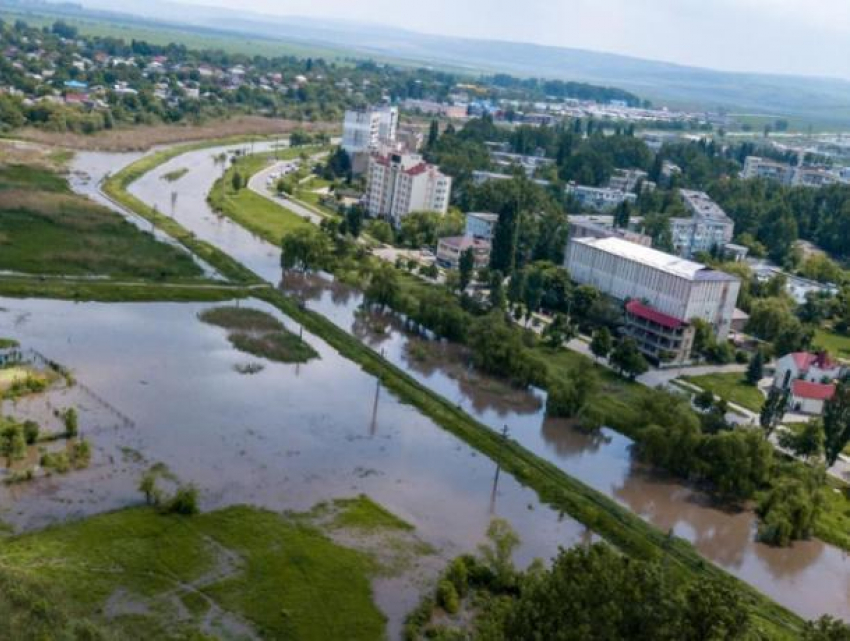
[[789, 175], [707, 227], [599, 198], [678, 288], [366, 130], [399, 184]]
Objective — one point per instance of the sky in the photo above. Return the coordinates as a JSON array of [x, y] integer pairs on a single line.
[[809, 37]]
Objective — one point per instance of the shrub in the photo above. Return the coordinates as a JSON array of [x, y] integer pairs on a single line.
[[447, 597], [458, 576], [184, 501], [31, 430]]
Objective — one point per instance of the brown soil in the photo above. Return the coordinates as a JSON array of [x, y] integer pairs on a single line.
[[144, 137]]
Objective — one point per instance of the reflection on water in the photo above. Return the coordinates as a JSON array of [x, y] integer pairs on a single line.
[[284, 438], [810, 578]]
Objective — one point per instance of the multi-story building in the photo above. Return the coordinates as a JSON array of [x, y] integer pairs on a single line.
[[666, 293], [599, 198], [603, 227], [366, 130], [631, 180], [449, 251], [707, 228], [529, 164], [789, 175], [399, 184], [480, 177], [481, 225]]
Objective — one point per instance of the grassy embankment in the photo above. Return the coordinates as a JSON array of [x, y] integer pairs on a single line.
[[554, 487], [106, 291], [116, 188], [133, 571], [260, 334], [731, 387], [47, 229], [254, 212]]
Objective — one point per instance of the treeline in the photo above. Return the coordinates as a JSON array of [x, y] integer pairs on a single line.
[[541, 88], [777, 216]]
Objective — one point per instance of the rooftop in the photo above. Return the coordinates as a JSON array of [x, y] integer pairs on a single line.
[[813, 391], [636, 308], [668, 263], [465, 242], [701, 204], [488, 217], [805, 361]]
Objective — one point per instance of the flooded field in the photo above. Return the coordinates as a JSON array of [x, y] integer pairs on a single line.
[[284, 438], [810, 578]]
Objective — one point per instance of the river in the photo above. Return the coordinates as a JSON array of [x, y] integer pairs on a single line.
[[811, 578]]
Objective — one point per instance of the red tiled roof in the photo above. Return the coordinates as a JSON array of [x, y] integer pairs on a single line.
[[636, 308], [804, 360], [813, 391], [421, 168]]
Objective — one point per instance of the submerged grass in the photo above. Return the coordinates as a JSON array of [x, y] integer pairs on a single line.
[[46, 229], [258, 333], [562, 492], [283, 578]]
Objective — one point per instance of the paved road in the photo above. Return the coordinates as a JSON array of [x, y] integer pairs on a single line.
[[258, 183]]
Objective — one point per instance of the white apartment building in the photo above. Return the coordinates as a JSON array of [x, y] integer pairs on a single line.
[[708, 226], [599, 198], [668, 285], [399, 184], [366, 130], [789, 175]]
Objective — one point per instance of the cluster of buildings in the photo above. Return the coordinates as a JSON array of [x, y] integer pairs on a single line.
[[478, 236], [75, 72], [624, 186], [809, 380], [662, 293], [793, 175], [398, 180]]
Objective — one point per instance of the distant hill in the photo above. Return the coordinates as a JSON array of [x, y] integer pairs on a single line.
[[823, 101]]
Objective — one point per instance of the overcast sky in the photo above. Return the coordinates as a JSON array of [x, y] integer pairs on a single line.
[[809, 37]]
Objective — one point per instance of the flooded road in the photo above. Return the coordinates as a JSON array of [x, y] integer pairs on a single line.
[[811, 578]]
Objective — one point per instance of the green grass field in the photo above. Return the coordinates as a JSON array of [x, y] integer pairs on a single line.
[[46, 229], [131, 570], [730, 387], [252, 211], [836, 344]]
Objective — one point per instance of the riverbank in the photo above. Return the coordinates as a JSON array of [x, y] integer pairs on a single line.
[[556, 488]]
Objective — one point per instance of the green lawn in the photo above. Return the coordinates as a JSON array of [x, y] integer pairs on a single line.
[[46, 229], [252, 211], [836, 344], [730, 387], [283, 577]]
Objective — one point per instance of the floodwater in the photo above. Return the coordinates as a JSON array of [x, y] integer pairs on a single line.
[[811, 578], [284, 438]]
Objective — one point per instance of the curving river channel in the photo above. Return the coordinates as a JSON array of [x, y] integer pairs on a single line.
[[291, 436]]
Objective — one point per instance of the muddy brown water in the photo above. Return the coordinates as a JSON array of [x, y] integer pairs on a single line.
[[811, 578]]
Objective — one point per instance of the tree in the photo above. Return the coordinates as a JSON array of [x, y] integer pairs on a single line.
[[560, 330], [148, 487], [433, 133], [789, 511], [755, 370], [383, 286], [628, 360], [600, 343], [184, 501], [808, 442], [826, 629], [69, 417], [466, 266], [354, 220], [498, 553], [236, 181], [836, 422], [497, 289], [304, 248], [773, 410], [13, 443], [622, 215]]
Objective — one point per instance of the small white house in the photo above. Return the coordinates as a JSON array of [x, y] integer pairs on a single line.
[[805, 366], [809, 398]]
